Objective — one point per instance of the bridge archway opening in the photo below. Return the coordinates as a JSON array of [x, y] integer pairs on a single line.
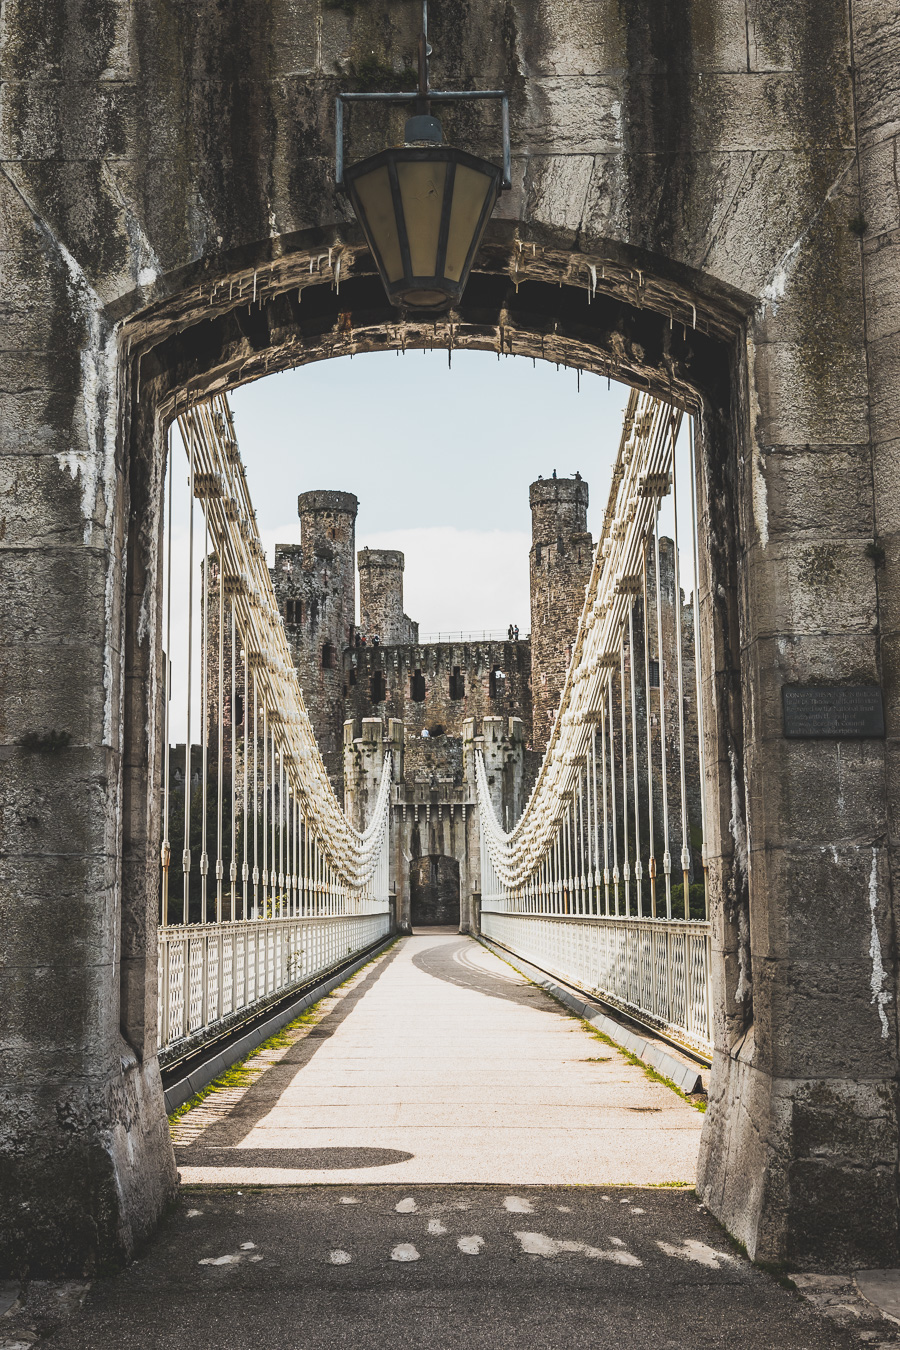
[[636, 320], [646, 328], [434, 889]]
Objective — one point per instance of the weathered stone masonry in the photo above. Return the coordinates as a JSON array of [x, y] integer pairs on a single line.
[[704, 204], [315, 584], [381, 598], [562, 553]]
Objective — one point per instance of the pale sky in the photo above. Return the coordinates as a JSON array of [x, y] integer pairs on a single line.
[[441, 460]]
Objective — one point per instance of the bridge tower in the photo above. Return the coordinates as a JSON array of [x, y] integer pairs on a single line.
[[561, 557]]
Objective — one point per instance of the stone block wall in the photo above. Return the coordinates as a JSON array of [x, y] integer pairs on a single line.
[[315, 585], [435, 687]]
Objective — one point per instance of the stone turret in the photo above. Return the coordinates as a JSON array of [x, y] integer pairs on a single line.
[[561, 556], [315, 584], [381, 597]]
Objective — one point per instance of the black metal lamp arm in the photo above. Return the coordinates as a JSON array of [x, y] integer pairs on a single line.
[[434, 96]]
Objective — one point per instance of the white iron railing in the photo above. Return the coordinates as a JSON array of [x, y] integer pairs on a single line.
[[584, 885], [218, 969], [283, 886], [654, 969]]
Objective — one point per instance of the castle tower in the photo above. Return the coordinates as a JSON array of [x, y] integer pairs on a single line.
[[315, 583], [562, 553], [381, 598]]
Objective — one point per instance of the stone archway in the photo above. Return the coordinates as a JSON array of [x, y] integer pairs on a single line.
[[434, 892], [175, 230]]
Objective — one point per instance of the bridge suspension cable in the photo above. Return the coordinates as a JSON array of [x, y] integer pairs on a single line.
[[623, 773], [272, 859]]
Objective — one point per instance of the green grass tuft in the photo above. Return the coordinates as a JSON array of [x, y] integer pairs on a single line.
[[243, 1073], [649, 1072]]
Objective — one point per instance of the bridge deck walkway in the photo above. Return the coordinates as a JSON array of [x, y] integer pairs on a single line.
[[436, 1067], [441, 1064]]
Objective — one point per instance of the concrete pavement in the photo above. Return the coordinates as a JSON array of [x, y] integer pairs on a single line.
[[435, 1068], [441, 1064]]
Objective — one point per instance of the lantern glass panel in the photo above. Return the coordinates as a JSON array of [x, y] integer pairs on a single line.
[[374, 193], [422, 193], [470, 189]]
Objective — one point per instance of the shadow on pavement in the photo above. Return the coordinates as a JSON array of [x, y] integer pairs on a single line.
[[223, 1137], [457, 963], [318, 1159]]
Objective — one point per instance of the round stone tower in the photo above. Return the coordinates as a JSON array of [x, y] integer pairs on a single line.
[[562, 552], [316, 589], [381, 597], [381, 593]]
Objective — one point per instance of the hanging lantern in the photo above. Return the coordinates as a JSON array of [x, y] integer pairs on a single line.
[[423, 206]]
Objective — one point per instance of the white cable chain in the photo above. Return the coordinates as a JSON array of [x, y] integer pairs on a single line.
[[644, 461], [353, 854]]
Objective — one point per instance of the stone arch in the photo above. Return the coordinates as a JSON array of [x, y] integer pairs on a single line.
[[724, 270], [626, 329], [434, 891]]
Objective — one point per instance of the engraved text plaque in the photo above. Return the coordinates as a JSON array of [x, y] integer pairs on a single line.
[[815, 711]]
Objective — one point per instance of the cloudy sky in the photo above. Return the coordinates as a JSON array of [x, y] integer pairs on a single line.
[[440, 459]]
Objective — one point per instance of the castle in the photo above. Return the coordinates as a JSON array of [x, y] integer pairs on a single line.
[[372, 686], [367, 682]]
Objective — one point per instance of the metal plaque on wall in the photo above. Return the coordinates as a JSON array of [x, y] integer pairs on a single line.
[[815, 711]]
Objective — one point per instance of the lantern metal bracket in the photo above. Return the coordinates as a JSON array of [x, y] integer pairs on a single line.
[[438, 96]]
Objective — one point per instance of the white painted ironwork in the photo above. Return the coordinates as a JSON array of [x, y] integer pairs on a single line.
[[656, 970], [217, 969], [290, 874], [575, 885]]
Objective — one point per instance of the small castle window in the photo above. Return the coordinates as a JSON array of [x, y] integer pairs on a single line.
[[654, 674], [378, 687], [417, 687], [238, 709], [293, 611], [498, 683], [457, 684], [328, 657]]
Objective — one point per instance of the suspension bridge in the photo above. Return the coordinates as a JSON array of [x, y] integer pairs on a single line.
[[442, 1145], [282, 888]]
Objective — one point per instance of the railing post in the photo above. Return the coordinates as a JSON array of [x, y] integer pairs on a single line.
[[165, 1029], [220, 971], [186, 974]]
